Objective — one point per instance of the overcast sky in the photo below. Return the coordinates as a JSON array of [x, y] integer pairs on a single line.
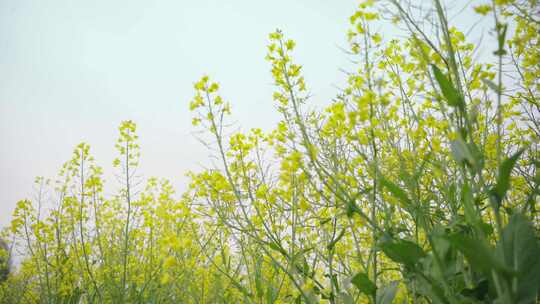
[[70, 71]]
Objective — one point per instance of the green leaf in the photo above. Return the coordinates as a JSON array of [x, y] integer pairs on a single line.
[[271, 294], [386, 294], [471, 215], [503, 180], [350, 208], [479, 253], [277, 247], [259, 278], [478, 292], [364, 284], [448, 90], [521, 251], [402, 251], [501, 38], [396, 191], [429, 286], [461, 152]]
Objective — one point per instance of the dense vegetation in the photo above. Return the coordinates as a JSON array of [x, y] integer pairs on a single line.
[[418, 183]]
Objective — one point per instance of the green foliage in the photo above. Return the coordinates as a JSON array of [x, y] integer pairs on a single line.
[[364, 284], [503, 179], [4, 261], [402, 251], [399, 191], [448, 90], [519, 248]]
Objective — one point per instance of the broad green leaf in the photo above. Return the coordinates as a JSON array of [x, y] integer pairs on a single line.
[[429, 287], [479, 254], [448, 90], [364, 284], [521, 250], [500, 39], [396, 191], [468, 205], [350, 208], [478, 292], [402, 251], [461, 152], [387, 294], [503, 180], [271, 294]]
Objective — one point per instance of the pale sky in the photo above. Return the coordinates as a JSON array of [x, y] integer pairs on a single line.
[[70, 71]]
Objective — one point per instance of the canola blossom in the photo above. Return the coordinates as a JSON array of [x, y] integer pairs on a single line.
[[418, 183]]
